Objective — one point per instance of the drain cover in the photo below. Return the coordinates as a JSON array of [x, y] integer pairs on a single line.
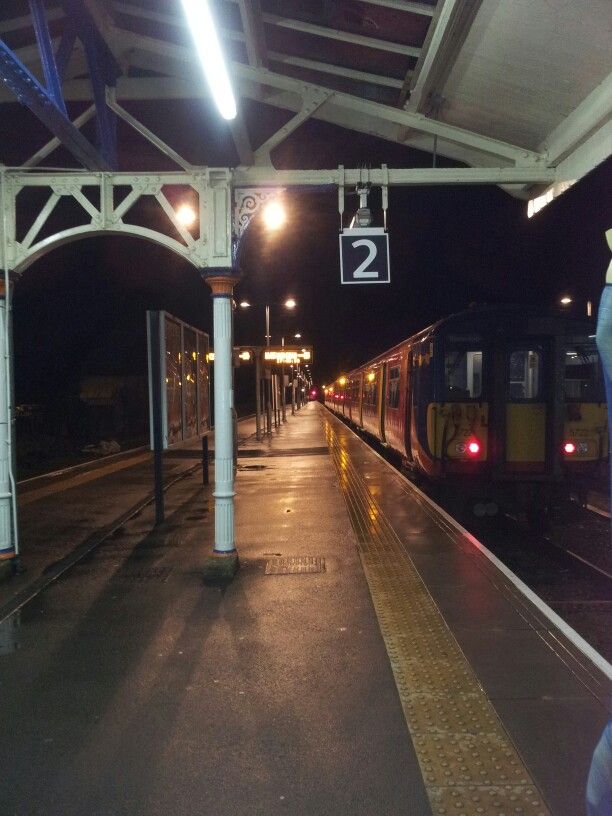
[[291, 566]]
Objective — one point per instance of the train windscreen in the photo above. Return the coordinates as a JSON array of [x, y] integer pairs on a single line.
[[463, 373], [583, 380]]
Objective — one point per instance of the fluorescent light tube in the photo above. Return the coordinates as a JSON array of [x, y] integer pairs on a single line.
[[209, 51]]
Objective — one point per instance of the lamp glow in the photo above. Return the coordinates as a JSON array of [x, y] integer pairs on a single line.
[[274, 215], [565, 301], [244, 304], [290, 303], [186, 215], [209, 51]]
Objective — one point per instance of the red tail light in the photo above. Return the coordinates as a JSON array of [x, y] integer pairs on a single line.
[[473, 447], [569, 448]]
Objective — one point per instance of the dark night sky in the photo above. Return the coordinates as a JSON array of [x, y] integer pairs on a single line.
[[80, 309]]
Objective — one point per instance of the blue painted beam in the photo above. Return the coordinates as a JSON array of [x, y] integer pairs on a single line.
[[34, 96], [65, 48], [103, 72], [47, 58]]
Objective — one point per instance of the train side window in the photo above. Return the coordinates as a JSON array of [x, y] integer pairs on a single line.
[[583, 380], [463, 373], [524, 374], [393, 393], [370, 390]]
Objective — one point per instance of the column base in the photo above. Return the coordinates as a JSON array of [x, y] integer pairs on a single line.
[[6, 569], [221, 566]]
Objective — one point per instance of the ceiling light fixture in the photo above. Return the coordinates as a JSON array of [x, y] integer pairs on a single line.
[[206, 41]]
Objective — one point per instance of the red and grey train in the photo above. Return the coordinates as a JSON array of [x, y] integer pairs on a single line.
[[504, 402]]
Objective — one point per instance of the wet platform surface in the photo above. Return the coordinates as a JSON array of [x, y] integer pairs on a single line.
[[130, 688]]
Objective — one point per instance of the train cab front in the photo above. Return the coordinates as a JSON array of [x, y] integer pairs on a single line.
[[584, 441], [517, 419]]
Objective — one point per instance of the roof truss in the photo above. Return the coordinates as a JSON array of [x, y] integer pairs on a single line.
[[581, 140]]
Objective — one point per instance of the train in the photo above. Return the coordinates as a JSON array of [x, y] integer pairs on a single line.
[[503, 406]]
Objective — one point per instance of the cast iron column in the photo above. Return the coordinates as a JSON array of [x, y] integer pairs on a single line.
[[7, 545], [224, 560]]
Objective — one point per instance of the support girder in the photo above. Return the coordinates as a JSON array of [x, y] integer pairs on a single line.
[[47, 57], [34, 96]]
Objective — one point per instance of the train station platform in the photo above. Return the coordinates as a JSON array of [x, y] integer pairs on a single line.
[[370, 657]]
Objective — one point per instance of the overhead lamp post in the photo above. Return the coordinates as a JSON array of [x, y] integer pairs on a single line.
[[290, 303]]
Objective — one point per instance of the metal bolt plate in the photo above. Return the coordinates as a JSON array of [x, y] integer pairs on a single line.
[[293, 566]]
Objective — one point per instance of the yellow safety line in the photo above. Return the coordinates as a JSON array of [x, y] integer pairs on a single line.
[[468, 761]]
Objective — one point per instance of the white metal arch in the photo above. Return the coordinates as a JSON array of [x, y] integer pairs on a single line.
[[104, 208], [74, 234]]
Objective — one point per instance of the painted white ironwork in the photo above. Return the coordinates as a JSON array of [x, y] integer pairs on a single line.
[[224, 429], [248, 201], [7, 539], [106, 201]]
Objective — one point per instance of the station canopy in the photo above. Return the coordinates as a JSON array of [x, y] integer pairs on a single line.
[[486, 83]]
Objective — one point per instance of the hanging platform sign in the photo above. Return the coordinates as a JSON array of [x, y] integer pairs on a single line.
[[364, 255]]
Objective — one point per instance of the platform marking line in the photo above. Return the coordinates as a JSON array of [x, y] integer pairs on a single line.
[[468, 761], [75, 481]]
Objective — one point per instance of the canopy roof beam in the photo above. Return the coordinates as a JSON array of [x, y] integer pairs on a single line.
[[357, 106], [341, 36], [250, 14], [275, 56], [399, 5], [445, 38]]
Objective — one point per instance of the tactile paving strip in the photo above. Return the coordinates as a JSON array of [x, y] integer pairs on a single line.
[[295, 565], [468, 762]]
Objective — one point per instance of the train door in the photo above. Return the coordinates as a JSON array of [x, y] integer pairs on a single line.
[[527, 408], [408, 399], [382, 401], [360, 398]]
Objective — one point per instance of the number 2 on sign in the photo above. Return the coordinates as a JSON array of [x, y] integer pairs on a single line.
[[372, 252]]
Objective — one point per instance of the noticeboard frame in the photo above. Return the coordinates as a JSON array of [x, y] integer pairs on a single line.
[[157, 353]]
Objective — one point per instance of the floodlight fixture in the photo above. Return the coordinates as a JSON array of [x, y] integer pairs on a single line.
[[208, 47]]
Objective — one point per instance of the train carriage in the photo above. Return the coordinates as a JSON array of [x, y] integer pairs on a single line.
[[505, 402]]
